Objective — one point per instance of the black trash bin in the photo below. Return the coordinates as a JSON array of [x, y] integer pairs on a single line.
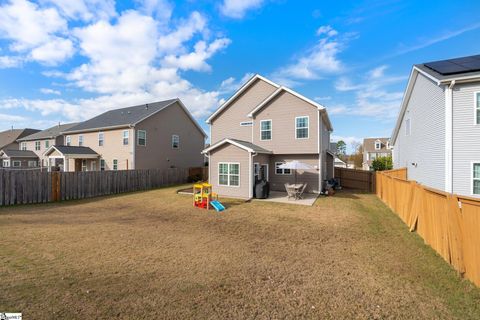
[[262, 189]]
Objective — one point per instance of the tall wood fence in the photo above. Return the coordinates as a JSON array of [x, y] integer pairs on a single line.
[[198, 173], [449, 223], [356, 179], [27, 187]]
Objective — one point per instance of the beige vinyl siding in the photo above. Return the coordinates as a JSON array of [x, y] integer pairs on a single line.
[[282, 111], [39, 153], [112, 148], [277, 182], [158, 152], [425, 145], [227, 123], [232, 154], [466, 137]]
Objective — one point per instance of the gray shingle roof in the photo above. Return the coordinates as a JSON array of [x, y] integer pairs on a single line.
[[75, 150], [369, 145], [49, 133], [20, 153], [121, 117], [10, 136], [252, 146]]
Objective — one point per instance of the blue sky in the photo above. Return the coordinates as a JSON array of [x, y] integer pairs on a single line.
[[66, 61]]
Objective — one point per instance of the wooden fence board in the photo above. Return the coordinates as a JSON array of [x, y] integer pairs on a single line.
[[356, 179], [447, 222]]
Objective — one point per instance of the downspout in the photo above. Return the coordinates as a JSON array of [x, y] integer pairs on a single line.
[[250, 175], [134, 143], [449, 137], [320, 147]]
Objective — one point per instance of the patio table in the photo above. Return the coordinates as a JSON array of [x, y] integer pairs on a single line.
[[297, 187]]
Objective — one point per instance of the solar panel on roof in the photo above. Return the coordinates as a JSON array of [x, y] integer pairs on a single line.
[[455, 66]]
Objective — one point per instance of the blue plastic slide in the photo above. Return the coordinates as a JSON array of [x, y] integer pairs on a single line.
[[217, 205]]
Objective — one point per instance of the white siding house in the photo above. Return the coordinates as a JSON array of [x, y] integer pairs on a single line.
[[437, 135]]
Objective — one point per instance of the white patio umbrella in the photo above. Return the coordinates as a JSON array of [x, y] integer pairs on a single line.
[[296, 165]]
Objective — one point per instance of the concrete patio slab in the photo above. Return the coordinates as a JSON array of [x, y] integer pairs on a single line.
[[281, 197]]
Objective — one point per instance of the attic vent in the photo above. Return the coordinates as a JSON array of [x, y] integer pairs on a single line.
[[128, 112]]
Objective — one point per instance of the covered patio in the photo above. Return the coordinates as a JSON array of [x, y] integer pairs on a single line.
[[308, 199], [72, 158]]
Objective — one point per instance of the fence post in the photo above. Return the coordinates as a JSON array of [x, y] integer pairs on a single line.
[[55, 186], [455, 233]]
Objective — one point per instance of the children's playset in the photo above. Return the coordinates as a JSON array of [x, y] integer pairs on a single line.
[[203, 197]]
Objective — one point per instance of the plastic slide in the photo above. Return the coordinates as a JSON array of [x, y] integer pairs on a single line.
[[217, 205]]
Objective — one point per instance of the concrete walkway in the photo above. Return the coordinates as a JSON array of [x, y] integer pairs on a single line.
[[281, 197]]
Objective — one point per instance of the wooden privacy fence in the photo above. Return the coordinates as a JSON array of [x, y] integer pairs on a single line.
[[449, 223], [356, 179], [26, 187], [198, 173]]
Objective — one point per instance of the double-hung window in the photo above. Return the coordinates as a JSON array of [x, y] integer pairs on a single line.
[[477, 108], [47, 144], [142, 137], [301, 127], [101, 139], [115, 164], [378, 145], [23, 146], [281, 171], [80, 140], [102, 165], [126, 135], [68, 140], [476, 178], [84, 165], [37, 145], [17, 163], [175, 141], [266, 130], [229, 174]]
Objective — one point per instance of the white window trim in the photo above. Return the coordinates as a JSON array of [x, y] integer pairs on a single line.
[[84, 165], [228, 175], [254, 165], [475, 108], [68, 140], [39, 144], [246, 123], [81, 141], [308, 128], [283, 170], [23, 146], [47, 144], [125, 137], [104, 165], [113, 164], [472, 178], [267, 174], [103, 139], [379, 145], [271, 129], [16, 161], [138, 138], [6, 163], [178, 137]]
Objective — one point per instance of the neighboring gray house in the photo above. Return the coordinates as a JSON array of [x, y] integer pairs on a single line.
[[437, 135], [156, 135], [374, 148], [8, 146], [18, 159], [40, 141], [8, 138], [260, 127]]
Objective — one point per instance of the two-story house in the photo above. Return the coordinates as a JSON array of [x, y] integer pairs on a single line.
[[437, 134], [10, 155], [40, 141], [260, 127], [156, 135], [374, 148]]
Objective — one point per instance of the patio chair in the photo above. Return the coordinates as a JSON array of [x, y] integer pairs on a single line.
[[301, 191], [290, 191]]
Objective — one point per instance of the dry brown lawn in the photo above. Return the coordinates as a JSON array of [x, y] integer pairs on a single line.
[[151, 256]]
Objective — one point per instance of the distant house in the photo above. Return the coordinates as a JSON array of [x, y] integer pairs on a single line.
[[262, 126], [437, 134], [339, 163], [40, 141], [374, 148], [18, 159], [8, 143], [156, 135]]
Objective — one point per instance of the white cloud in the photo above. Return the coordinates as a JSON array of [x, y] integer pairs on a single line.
[[50, 91], [196, 60], [237, 9], [372, 97], [322, 98], [349, 140], [231, 84], [10, 118], [10, 62], [34, 31], [173, 42], [86, 10], [160, 9], [319, 60]]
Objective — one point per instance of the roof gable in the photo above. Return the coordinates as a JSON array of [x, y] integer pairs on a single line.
[[242, 89], [49, 133], [245, 145], [10, 136]]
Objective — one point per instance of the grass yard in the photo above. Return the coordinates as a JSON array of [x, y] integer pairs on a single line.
[[151, 255]]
